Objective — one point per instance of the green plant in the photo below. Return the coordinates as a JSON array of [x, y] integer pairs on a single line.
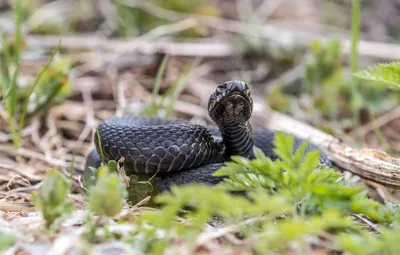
[[386, 73], [51, 199], [367, 243], [6, 240], [271, 205], [325, 93], [356, 99], [134, 20], [288, 200], [168, 99], [50, 87], [106, 196], [294, 177]]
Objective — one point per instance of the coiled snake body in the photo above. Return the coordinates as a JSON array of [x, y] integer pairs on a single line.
[[181, 152]]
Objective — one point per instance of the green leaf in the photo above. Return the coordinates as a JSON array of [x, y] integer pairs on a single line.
[[54, 86], [24, 109], [138, 190], [157, 82], [384, 73], [107, 196], [112, 166], [12, 92], [284, 146], [6, 240], [18, 31], [51, 199]]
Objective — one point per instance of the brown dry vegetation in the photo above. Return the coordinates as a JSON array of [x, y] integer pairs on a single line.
[[261, 42]]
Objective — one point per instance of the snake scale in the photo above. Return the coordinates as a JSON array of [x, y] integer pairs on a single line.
[[181, 152]]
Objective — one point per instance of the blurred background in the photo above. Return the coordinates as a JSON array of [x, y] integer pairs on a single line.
[[68, 64]]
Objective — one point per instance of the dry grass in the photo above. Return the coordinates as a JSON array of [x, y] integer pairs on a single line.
[[115, 76]]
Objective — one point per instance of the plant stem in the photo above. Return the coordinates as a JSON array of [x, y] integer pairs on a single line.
[[18, 34], [355, 33], [157, 84]]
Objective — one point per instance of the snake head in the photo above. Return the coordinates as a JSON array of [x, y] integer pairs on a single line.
[[231, 102]]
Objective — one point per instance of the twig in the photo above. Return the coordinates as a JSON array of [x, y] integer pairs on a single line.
[[367, 222], [35, 155], [15, 207], [138, 42], [206, 237], [378, 122], [370, 164], [200, 48], [14, 177], [20, 170], [90, 120]]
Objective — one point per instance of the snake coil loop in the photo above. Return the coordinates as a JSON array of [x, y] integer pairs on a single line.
[[181, 152]]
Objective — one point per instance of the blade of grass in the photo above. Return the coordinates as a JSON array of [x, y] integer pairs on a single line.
[[46, 104], [11, 103], [379, 134], [12, 87], [32, 88], [7, 62], [13, 97], [100, 147], [355, 34], [157, 83], [18, 34], [174, 91]]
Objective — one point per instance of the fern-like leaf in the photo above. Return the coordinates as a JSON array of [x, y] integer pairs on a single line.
[[383, 73]]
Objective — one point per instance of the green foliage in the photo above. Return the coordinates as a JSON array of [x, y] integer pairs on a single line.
[[204, 202], [140, 187], [54, 85], [367, 243], [300, 230], [324, 61], [293, 199], [383, 73], [325, 92], [51, 199], [91, 174], [6, 240], [277, 100], [168, 99], [287, 200], [356, 98], [106, 196], [135, 21], [50, 87], [295, 178]]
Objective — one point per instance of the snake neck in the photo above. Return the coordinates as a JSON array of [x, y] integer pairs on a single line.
[[238, 139]]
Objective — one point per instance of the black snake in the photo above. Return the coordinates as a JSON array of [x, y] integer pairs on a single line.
[[181, 152]]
